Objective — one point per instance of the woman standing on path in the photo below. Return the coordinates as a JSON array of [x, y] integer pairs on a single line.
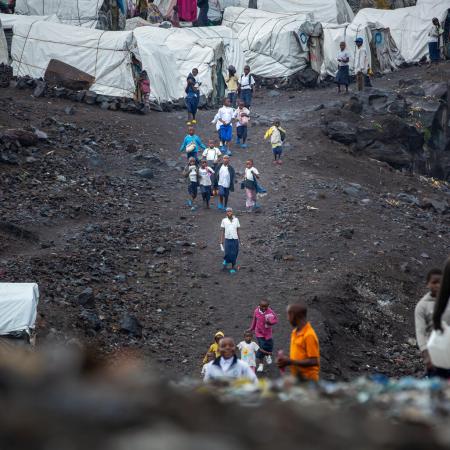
[[192, 96], [343, 74], [229, 240], [434, 37], [250, 179]]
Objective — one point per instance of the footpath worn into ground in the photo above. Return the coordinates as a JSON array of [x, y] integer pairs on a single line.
[[95, 213]]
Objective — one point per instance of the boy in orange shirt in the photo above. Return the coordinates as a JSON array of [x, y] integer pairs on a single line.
[[304, 354]]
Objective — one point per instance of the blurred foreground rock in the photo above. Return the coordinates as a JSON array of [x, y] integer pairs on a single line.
[[64, 399]]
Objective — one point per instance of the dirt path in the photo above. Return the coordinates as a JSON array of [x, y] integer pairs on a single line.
[[341, 253]]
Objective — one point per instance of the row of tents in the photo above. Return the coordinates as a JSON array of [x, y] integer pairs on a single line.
[[276, 44]]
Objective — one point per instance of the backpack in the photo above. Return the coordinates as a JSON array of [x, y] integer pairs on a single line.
[[282, 134]]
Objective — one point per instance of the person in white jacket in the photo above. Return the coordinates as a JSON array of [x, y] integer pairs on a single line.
[[227, 366], [361, 63]]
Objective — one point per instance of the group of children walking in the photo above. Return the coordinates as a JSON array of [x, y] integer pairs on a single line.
[[221, 362], [254, 354]]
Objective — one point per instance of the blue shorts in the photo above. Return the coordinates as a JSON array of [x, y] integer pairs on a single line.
[[226, 133], [277, 151], [223, 191]]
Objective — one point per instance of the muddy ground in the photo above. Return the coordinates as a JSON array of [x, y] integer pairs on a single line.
[[76, 215]]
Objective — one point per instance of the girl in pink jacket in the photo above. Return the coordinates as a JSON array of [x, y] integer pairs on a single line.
[[264, 318]]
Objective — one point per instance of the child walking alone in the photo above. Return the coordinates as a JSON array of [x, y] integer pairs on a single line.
[[277, 136]]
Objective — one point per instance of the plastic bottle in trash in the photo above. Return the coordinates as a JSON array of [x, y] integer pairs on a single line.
[[280, 354]]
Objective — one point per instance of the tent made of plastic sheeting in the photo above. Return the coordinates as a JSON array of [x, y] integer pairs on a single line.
[[101, 14], [382, 52], [188, 51], [18, 306], [9, 20], [4, 54], [167, 83], [409, 26], [233, 54], [105, 55], [268, 40], [328, 11]]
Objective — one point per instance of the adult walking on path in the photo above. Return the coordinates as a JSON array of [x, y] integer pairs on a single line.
[[434, 38], [224, 179], [192, 144], [343, 73], [251, 175], [246, 86], [361, 63], [440, 313], [229, 240], [227, 366], [423, 319], [192, 96], [304, 353], [264, 318]]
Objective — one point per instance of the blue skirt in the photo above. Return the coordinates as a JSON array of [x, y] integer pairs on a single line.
[[433, 49], [192, 104], [231, 251], [342, 76], [226, 133]]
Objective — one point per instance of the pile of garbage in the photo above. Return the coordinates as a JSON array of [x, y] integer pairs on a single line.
[[425, 401], [66, 399]]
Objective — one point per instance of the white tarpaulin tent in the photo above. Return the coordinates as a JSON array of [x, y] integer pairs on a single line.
[[328, 11], [166, 82], [381, 49], [188, 51], [82, 13], [103, 54], [409, 26], [9, 20], [74, 12], [4, 58], [18, 306], [233, 54], [268, 40]]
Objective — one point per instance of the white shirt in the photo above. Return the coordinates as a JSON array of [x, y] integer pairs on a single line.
[[224, 177], [361, 61], [229, 369], [249, 173], [230, 227], [212, 154], [226, 113], [192, 173], [248, 352], [242, 120], [246, 81], [433, 34], [204, 176], [343, 54]]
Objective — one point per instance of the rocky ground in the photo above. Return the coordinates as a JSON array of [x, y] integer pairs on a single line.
[[94, 211]]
